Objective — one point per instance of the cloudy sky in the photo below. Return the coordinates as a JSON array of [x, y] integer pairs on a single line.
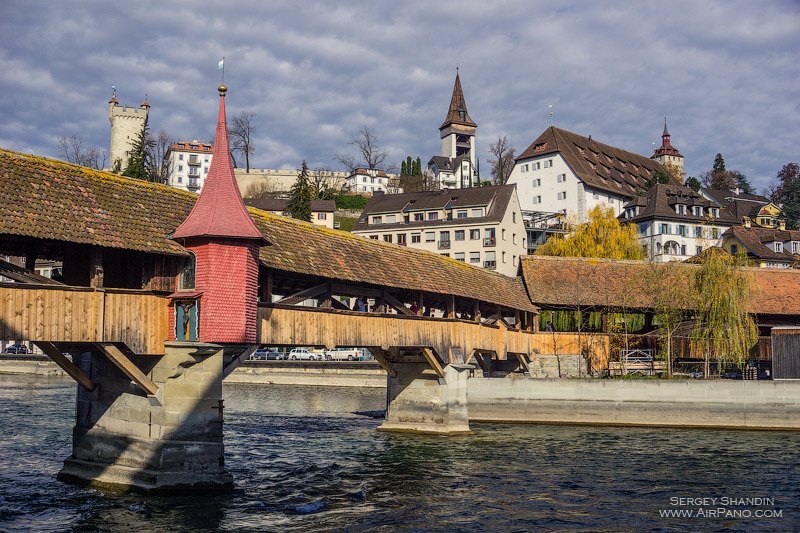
[[725, 73]]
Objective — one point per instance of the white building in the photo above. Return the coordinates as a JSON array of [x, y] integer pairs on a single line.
[[481, 226], [127, 124], [455, 168], [368, 181], [676, 223], [563, 172], [189, 163]]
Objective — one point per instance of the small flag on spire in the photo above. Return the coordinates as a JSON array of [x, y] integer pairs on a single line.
[[221, 64]]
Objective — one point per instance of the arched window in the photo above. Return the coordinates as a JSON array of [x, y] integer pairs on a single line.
[[187, 275]]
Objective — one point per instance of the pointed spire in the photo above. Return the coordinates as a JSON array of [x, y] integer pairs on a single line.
[[220, 210], [458, 114], [666, 133], [145, 103]]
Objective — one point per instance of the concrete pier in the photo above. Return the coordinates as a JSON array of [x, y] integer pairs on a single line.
[[418, 401], [126, 440]]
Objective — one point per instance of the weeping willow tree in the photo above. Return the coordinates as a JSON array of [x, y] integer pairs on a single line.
[[601, 236], [672, 294], [724, 330]]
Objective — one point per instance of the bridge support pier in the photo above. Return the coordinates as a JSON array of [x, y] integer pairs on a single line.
[[419, 401], [126, 440]]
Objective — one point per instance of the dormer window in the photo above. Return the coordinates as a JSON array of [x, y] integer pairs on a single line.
[[697, 210], [377, 220], [680, 209], [714, 212], [778, 247]]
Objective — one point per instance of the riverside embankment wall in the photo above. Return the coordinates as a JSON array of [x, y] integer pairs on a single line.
[[682, 403]]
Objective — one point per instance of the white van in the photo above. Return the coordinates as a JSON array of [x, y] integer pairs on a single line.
[[345, 354]]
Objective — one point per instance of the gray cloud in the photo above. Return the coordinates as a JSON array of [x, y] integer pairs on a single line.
[[725, 73]]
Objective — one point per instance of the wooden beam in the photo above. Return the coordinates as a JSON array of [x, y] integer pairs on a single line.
[[311, 292], [397, 304], [476, 315], [433, 361], [266, 289], [52, 351], [344, 289], [481, 363], [523, 360], [336, 304], [451, 306], [382, 359], [116, 356], [325, 303], [234, 363], [517, 320]]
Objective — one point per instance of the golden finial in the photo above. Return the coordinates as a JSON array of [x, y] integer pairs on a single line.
[[222, 89]]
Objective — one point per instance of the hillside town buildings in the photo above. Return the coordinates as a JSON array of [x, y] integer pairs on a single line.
[[321, 210], [127, 124], [188, 162], [367, 181], [481, 226], [455, 168]]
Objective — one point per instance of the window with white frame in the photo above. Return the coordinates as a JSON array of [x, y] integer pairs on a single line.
[[459, 234], [562, 195], [778, 246], [524, 168], [697, 210], [680, 209], [433, 215], [322, 216], [537, 199], [474, 234], [390, 219], [387, 237], [377, 220], [537, 182], [430, 236], [459, 256], [537, 165], [796, 247], [477, 212], [561, 178], [461, 214], [474, 257], [415, 238]]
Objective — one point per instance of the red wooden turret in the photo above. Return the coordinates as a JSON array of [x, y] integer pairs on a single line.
[[225, 242]]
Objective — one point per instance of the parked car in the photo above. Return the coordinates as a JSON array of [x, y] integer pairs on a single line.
[[303, 354], [344, 354], [17, 348], [267, 354]]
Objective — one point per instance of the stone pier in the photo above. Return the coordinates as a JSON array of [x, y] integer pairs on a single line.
[[124, 439], [419, 401]]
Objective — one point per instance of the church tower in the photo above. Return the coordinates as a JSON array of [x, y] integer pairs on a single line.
[[668, 155], [458, 135], [126, 125]]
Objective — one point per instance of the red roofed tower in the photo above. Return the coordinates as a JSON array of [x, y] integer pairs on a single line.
[[666, 154], [225, 242]]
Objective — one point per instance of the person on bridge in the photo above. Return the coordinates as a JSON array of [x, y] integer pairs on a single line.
[[361, 305], [414, 307]]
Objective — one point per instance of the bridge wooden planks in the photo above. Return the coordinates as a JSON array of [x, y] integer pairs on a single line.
[[75, 314]]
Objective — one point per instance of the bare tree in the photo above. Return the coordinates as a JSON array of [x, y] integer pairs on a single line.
[[73, 150], [241, 134], [370, 153], [323, 183], [158, 166], [503, 162], [262, 189]]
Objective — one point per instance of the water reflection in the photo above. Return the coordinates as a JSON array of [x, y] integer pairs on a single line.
[[304, 462]]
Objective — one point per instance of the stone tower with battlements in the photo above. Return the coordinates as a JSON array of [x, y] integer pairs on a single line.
[[126, 124]]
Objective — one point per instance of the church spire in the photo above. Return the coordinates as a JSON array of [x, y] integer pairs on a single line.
[[457, 113], [220, 210]]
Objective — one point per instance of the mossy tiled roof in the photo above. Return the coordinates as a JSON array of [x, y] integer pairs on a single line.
[[49, 199]]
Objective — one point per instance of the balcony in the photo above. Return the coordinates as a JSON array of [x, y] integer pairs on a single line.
[[194, 183], [489, 242], [491, 265], [194, 160], [444, 245]]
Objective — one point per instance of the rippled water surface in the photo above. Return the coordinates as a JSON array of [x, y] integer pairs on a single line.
[[304, 461]]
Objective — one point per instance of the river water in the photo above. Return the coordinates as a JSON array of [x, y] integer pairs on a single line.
[[303, 461]]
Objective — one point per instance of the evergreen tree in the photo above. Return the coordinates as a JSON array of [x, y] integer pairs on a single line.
[[791, 205], [299, 205], [693, 183], [403, 169], [719, 164], [137, 161], [418, 167]]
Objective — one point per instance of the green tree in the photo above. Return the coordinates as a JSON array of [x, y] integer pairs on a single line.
[[672, 296], [138, 159], [693, 183], [602, 236], [719, 164], [787, 175], [723, 179], [724, 329], [417, 168], [791, 205], [299, 205]]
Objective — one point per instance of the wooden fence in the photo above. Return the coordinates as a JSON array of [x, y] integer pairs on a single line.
[[79, 314]]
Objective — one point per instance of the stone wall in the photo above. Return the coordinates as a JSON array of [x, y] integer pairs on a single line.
[[700, 403]]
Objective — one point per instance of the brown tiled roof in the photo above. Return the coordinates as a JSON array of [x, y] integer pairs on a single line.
[[496, 197], [186, 146], [49, 199], [571, 282], [659, 203], [753, 240], [457, 113], [598, 165], [279, 204]]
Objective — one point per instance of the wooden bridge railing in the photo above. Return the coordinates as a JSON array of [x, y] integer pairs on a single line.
[[298, 326], [56, 313]]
